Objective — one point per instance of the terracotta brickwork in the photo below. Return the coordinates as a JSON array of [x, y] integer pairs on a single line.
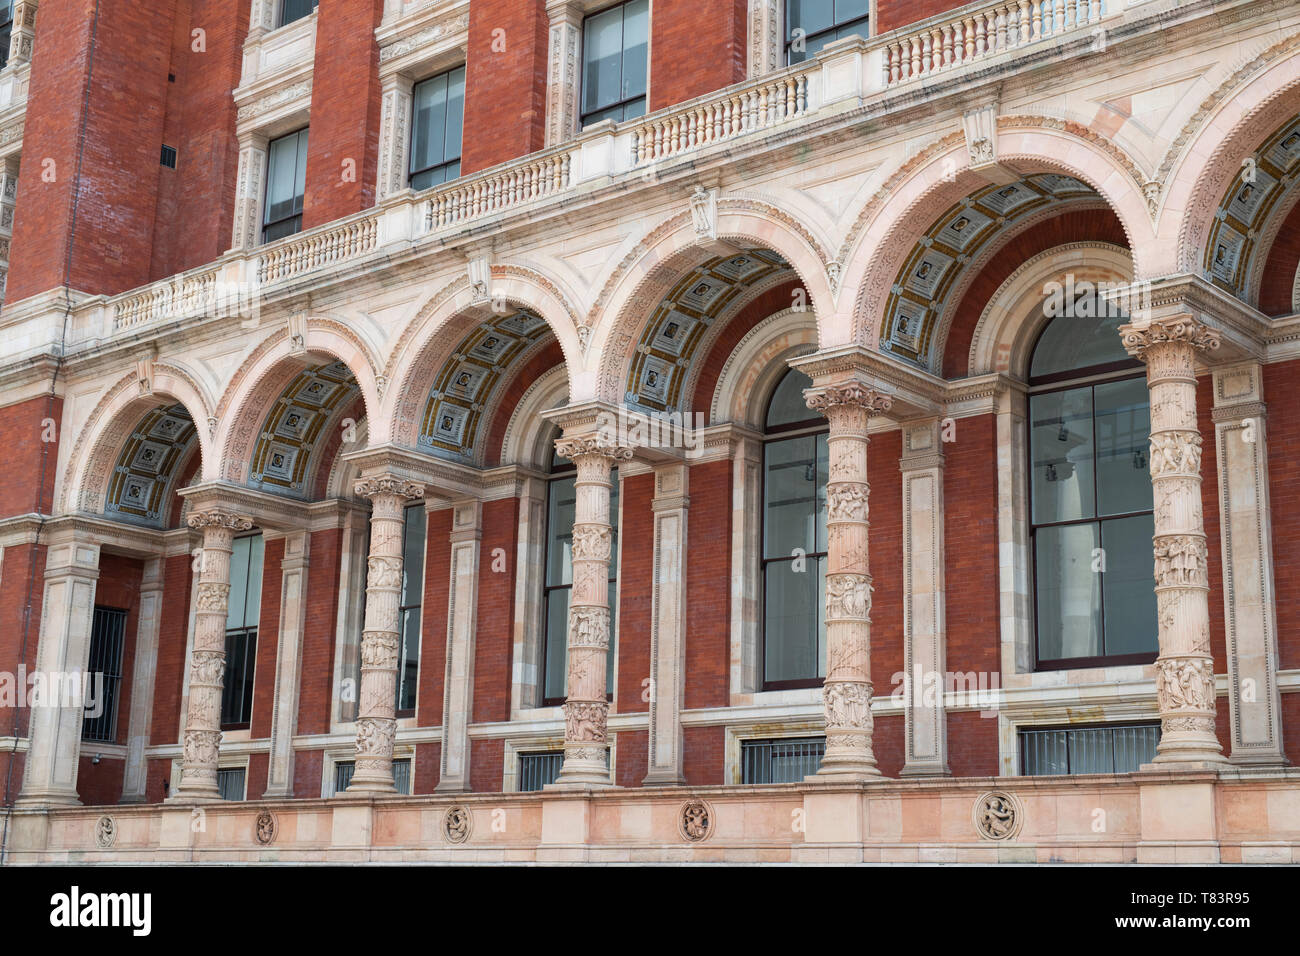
[[678, 31], [23, 429], [495, 613], [505, 89]]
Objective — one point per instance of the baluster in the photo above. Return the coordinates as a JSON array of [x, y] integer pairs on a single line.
[[1094, 11], [1003, 16], [1070, 10]]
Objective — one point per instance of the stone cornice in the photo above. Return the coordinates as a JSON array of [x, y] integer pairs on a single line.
[[1244, 329]]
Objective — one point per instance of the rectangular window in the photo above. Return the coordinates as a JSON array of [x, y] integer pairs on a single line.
[[811, 24], [784, 760], [291, 10], [230, 782], [343, 771], [408, 660], [6, 30], [539, 770], [241, 631], [560, 510], [614, 45], [107, 638], [439, 109], [1076, 750], [286, 177]]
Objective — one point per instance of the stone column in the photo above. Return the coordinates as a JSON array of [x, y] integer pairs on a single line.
[[208, 657], [8, 195], [376, 712], [562, 80], [924, 637], [394, 135], [23, 33], [462, 618], [766, 41], [586, 707], [848, 689], [1184, 668], [288, 664], [668, 627], [62, 662], [1246, 542], [135, 777], [246, 232]]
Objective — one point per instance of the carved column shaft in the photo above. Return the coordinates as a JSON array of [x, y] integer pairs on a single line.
[[246, 231], [848, 689], [1184, 668], [208, 657], [562, 81], [394, 137], [586, 707], [381, 636]]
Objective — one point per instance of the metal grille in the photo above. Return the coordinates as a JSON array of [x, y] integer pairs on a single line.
[[343, 771], [231, 783], [539, 769], [786, 760], [107, 636], [1080, 750]]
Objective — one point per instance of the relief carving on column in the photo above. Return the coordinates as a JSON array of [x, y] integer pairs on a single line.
[[1186, 683], [589, 627], [377, 485], [375, 736], [848, 597], [1181, 561], [379, 649], [201, 748], [1175, 453], [383, 571], [585, 721], [847, 501], [848, 705], [592, 542], [212, 596]]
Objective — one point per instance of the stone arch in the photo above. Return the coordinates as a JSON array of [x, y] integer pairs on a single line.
[[1013, 317], [667, 252], [525, 441], [757, 363], [1201, 164], [119, 411], [268, 370], [1029, 144], [443, 322]]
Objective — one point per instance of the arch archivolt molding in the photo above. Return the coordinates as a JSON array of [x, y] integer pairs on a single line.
[[343, 473], [1013, 317], [524, 442], [756, 364], [119, 410]]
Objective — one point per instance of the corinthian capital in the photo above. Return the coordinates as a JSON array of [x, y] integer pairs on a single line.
[[1173, 329], [378, 485], [216, 518], [575, 448], [852, 394]]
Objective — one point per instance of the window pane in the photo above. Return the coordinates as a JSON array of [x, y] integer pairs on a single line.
[[107, 639], [409, 664], [823, 476], [1090, 751], [791, 644], [846, 10], [1045, 752], [1123, 427], [602, 55], [253, 606], [295, 10], [559, 525], [237, 692], [1129, 584], [1060, 445], [1068, 592], [286, 173], [1084, 339], [636, 35], [557, 622], [1134, 746], [413, 533], [790, 496], [343, 772], [811, 16], [230, 783], [237, 597], [787, 405], [429, 139], [455, 116], [402, 776]]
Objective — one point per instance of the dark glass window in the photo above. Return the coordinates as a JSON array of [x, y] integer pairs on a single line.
[[784, 760], [286, 175], [291, 10], [230, 783], [811, 24], [614, 45], [794, 539], [561, 500], [408, 662], [439, 107], [241, 631], [343, 771], [1090, 496], [1075, 750], [6, 30], [107, 639], [539, 770]]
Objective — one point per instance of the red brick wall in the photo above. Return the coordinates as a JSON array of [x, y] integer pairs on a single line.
[[1282, 393], [173, 631], [196, 201], [885, 550], [708, 587], [703, 757], [892, 14], [15, 573], [696, 48], [157, 779], [505, 91], [494, 633], [769, 303], [1085, 225], [1280, 268], [1210, 508], [343, 145], [635, 574], [1291, 727], [99, 784], [268, 637], [25, 455], [119, 587], [316, 694], [972, 744], [258, 770], [633, 758], [970, 528], [486, 765], [887, 743], [307, 768], [357, 412], [433, 619], [117, 181], [427, 769]]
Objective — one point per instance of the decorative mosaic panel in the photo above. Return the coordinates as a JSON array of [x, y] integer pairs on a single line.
[[672, 336], [140, 486], [294, 428], [929, 275], [1254, 194], [453, 413]]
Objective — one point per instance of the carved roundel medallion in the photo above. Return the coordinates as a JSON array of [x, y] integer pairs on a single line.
[[695, 821], [456, 824], [105, 832], [998, 815], [266, 828]]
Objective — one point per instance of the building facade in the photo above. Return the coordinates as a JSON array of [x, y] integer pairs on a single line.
[[562, 430]]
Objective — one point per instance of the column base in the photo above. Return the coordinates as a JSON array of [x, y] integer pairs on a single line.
[[663, 778], [372, 788], [1184, 765], [1259, 760], [925, 770], [48, 799], [194, 795], [454, 786], [583, 780]]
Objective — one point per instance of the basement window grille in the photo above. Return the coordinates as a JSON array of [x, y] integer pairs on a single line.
[[168, 157], [231, 783], [1078, 750], [785, 760], [107, 637]]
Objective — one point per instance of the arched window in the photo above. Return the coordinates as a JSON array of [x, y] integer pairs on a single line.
[[794, 539], [1090, 493], [561, 499]]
